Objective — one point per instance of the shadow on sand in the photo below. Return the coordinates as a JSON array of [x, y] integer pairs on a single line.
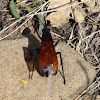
[[31, 53]]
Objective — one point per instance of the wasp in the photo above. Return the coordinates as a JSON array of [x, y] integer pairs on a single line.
[[47, 62]]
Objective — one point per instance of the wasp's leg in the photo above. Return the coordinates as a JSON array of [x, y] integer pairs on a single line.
[[62, 74]]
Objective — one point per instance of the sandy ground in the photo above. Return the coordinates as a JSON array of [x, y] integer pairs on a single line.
[[78, 74]]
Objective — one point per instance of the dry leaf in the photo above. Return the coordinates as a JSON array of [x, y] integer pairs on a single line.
[[59, 17]]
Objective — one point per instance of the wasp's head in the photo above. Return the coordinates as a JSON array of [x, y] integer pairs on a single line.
[[46, 35]]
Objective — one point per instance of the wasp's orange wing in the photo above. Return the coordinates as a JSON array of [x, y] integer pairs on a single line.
[[44, 56], [53, 57], [48, 56]]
